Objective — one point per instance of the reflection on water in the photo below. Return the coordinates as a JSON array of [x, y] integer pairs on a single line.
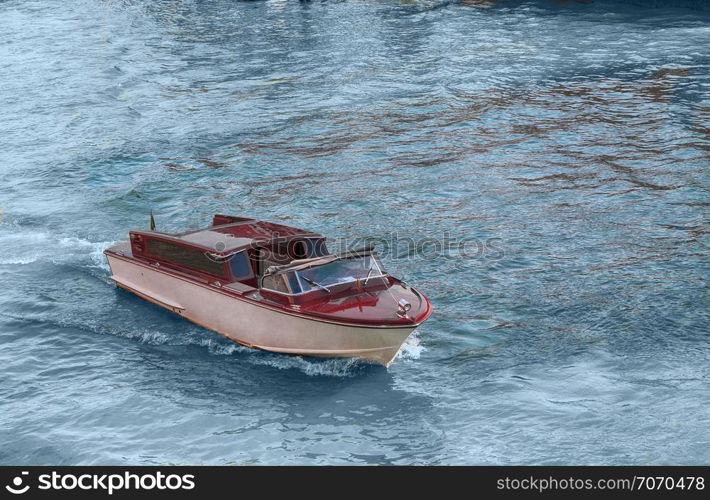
[[576, 133]]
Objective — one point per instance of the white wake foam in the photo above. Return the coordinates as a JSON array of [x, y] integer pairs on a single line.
[[411, 349], [27, 247], [335, 367]]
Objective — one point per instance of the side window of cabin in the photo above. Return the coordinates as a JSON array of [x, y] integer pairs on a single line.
[[317, 248], [184, 256], [300, 250], [240, 266], [308, 248]]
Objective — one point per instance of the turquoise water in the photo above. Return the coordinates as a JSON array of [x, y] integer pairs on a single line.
[[571, 137]]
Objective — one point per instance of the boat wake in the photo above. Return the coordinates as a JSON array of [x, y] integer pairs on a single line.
[[26, 247], [216, 346], [331, 367], [411, 349]]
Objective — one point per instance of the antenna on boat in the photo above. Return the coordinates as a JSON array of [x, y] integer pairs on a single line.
[[152, 221]]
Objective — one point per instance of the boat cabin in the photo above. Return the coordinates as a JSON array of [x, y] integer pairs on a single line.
[[285, 264]]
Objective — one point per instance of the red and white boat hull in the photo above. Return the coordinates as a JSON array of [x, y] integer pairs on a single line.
[[253, 324]]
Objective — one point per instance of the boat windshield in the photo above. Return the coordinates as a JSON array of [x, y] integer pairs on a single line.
[[337, 272], [365, 269]]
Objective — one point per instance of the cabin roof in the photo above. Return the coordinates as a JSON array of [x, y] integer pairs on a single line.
[[238, 235]]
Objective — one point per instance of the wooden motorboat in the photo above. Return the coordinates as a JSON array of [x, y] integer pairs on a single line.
[[273, 287]]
